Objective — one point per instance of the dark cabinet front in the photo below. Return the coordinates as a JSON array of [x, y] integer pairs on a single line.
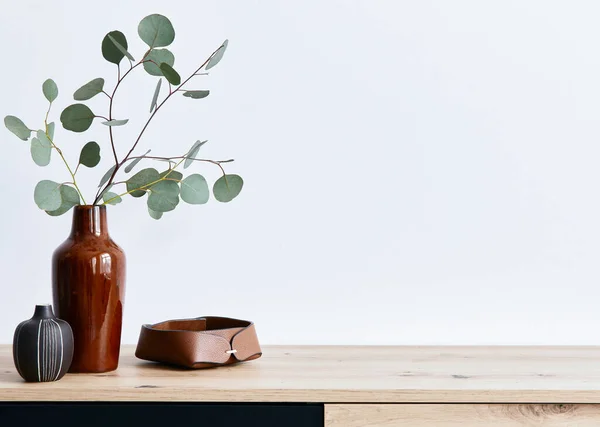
[[160, 415]]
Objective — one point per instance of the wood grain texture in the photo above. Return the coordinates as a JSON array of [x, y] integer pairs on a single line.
[[340, 375], [462, 415]]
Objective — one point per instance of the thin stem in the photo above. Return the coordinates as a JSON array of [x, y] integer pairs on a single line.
[[182, 157], [143, 187], [214, 162], [106, 93], [60, 153], [149, 119], [46, 119], [110, 130], [76, 169], [102, 117]]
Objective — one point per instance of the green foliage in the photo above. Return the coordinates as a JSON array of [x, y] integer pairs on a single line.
[[196, 94], [111, 198], [106, 176], [156, 31], [90, 154], [141, 179], [116, 122], [192, 153], [51, 130], [69, 197], [154, 214], [171, 174], [164, 196], [89, 90], [154, 58], [163, 190], [170, 74], [77, 118], [110, 51], [155, 96], [41, 149], [216, 58], [194, 190], [16, 126], [47, 195], [50, 90], [134, 163], [228, 187], [120, 47]]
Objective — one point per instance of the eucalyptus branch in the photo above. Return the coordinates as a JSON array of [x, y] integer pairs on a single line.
[[215, 162], [60, 153], [110, 130], [146, 186], [157, 32], [119, 165], [110, 108]]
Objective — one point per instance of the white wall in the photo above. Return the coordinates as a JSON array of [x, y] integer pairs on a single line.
[[416, 172]]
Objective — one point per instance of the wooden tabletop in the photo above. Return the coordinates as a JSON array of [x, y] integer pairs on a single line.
[[339, 374]]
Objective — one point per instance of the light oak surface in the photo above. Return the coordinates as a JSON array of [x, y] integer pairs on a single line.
[[340, 375], [463, 415]]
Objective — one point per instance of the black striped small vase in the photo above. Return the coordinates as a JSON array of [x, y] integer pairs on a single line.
[[43, 346]]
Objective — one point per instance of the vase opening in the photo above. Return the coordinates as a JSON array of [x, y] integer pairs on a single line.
[[89, 220]]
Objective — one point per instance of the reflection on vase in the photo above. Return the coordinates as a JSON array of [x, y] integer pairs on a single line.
[[88, 275]]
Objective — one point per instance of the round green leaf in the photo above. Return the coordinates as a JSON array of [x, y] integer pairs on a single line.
[[192, 153], [116, 122], [142, 179], [47, 195], [77, 118], [16, 126], [164, 196], [228, 187], [172, 174], [170, 74], [196, 94], [90, 154], [50, 90], [154, 214], [111, 198], [194, 190], [110, 51], [51, 130], [70, 198], [41, 149], [216, 58], [156, 31], [89, 90], [158, 56]]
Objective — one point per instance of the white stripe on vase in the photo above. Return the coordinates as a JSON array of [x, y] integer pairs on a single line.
[[54, 350], [44, 349], [38, 351], [62, 349], [54, 355]]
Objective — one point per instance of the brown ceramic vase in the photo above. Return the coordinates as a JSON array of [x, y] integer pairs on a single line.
[[88, 286]]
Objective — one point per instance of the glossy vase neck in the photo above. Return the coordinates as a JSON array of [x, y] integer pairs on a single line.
[[43, 311], [89, 221]]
